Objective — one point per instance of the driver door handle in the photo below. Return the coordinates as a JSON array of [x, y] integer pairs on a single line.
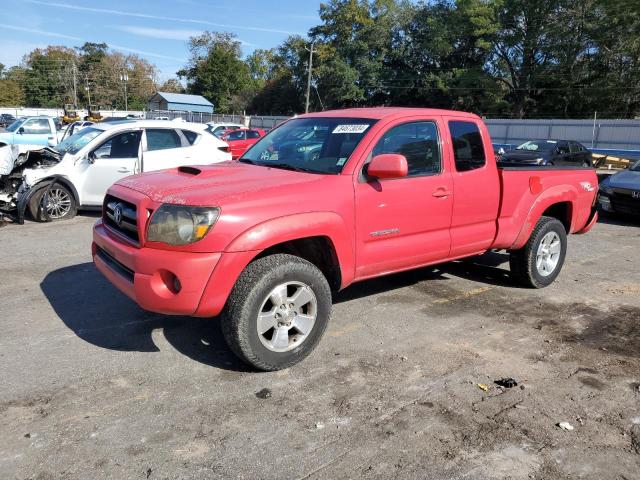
[[123, 170], [441, 192]]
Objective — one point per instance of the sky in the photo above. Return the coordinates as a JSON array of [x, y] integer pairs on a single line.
[[156, 30]]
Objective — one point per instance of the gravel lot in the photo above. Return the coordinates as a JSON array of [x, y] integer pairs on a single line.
[[94, 387]]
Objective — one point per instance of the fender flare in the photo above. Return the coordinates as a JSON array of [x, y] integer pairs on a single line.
[[298, 226], [550, 197], [25, 197]]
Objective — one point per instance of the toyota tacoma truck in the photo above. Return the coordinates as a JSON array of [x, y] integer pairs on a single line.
[[264, 241]]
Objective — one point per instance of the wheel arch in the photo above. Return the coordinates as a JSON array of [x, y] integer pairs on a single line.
[[557, 202], [42, 183], [321, 238]]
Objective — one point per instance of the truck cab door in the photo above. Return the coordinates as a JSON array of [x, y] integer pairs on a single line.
[[34, 131], [112, 160], [404, 222]]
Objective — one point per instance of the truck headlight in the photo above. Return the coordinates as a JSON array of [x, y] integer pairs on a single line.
[[181, 225]]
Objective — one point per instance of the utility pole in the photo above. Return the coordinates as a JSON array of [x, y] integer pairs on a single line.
[[124, 78], [74, 73], [86, 87], [311, 51]]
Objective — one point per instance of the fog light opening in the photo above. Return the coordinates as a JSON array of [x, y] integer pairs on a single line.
[[170, 281], [177, 286]]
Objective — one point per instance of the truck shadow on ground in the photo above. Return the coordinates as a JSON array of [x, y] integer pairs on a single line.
[[99, 314]]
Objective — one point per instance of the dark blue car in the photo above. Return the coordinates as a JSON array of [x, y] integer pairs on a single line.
[[564, 153], [620, 193]]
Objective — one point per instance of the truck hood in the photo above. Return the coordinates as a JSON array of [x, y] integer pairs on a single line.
[[216, 184], [627, 180]]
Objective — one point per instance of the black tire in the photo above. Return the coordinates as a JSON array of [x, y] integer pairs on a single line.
[[522, 262], [36, 206], [240, 315]]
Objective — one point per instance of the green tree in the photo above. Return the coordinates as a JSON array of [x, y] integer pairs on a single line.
[[48, 76], [11, 93], [172, 85], [216, 71]]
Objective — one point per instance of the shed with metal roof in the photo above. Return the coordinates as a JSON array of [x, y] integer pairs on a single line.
[[180, 102]]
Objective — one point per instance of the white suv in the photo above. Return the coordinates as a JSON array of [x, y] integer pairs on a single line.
[[54, 182]]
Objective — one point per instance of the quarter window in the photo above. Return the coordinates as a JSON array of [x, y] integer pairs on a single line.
[[190, 136], [468, 148], [418, 142], [162, 139]]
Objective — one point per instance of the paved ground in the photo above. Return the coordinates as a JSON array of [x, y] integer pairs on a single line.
[[93, 387]]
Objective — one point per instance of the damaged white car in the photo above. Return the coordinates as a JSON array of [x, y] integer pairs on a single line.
[[54, 182]]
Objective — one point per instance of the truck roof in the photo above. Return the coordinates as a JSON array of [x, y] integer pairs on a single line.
[[379, 113]]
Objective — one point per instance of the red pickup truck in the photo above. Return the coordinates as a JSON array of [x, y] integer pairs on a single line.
[[323, 201]]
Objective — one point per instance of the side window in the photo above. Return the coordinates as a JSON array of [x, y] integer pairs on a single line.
[[37, 126], [236, 136], [162, 139], [418, 142], [468, 149], [123, 145], [253, 134], [563, 148], [573, 146], [190, 136]]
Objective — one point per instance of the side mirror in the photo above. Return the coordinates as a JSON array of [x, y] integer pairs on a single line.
[[388, 165], [91, 158], [21, 130]]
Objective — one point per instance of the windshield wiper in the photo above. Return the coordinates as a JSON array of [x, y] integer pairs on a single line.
[[286, 166]]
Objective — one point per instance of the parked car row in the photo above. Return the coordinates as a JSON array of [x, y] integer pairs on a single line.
[[52, 183]]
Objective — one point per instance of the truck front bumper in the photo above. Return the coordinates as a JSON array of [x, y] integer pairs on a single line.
[[158, 280], [168, 282]]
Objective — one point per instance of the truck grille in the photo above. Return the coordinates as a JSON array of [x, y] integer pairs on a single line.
[[623, 202], [121, 217]]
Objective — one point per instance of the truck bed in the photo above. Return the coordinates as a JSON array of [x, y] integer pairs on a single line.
[[528, 189]]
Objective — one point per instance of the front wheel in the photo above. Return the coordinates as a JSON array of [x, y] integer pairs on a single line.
[[53, 203], [539, 262], [277, 312]]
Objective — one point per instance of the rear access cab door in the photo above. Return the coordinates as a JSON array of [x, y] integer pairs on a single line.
[[476, 186]]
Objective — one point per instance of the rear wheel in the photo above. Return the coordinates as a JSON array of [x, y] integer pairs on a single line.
[[277, 312], [53, 203], [539, 262]]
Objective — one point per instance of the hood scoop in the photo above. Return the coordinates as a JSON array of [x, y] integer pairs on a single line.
[[190, 170]]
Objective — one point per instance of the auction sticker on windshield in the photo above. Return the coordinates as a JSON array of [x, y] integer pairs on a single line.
[[350, 128]]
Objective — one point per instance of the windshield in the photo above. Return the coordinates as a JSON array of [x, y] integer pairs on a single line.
[[75, 142], [317, 145], [536, 146], [15, 125], [635, 167]]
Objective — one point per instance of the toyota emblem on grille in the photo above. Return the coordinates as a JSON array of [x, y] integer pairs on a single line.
[[117, 214], [635, 194]]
